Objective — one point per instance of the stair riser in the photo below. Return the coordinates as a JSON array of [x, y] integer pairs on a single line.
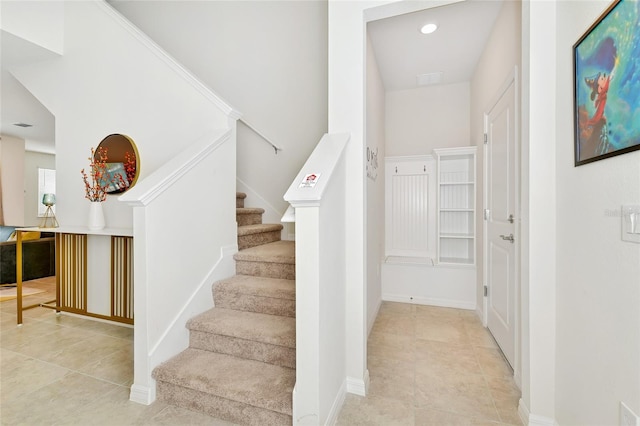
[[232, 411], [248, 303], [249, 219], [247, 349], [239, 203], [285, 271], [248, 241]]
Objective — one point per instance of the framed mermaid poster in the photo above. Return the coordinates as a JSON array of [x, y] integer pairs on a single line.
[[606, 64]]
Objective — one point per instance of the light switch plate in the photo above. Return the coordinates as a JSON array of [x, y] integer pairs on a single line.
[[631, 223]]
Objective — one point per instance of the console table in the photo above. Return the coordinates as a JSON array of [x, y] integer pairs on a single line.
[[86, 284]]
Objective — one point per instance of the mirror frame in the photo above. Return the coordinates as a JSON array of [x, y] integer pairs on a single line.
[[121, 144]]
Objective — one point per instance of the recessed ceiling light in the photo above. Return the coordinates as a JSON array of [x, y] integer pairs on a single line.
[[428, 28]]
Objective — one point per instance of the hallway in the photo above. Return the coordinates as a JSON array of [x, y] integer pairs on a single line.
[[433, 366]]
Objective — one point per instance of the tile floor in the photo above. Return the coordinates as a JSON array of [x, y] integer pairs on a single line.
[[428, 366], [66, 370], [433, 366]]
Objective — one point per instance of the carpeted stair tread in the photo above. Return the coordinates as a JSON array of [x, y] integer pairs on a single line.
[[276, 252], [258, 228], [274, 288], [241, 195], [264, 328], [246, 381]]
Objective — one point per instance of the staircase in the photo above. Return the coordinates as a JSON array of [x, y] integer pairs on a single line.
[[240, 363]]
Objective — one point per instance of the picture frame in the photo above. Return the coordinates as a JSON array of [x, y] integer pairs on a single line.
[[606, 83]]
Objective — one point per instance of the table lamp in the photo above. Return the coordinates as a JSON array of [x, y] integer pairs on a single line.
[[49, 220]]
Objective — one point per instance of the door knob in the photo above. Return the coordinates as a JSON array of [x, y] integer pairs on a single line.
[[507, 238]]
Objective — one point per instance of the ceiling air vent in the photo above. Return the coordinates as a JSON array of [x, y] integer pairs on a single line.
[[429, 78], [23, 125]]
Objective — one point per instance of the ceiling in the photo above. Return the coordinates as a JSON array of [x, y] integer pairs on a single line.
[[402, 53]]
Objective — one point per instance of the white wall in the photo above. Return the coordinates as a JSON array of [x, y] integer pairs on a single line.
[[269, 60], [375, 144], [538, 221], [12, 169], [40, 23], [598, 279], [501, 54], [419, 120], [32, 162], [134, 92]]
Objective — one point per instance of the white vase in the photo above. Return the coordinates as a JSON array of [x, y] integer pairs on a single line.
[[96, 216]]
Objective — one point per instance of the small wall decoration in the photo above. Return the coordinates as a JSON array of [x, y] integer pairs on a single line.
[[607, 85], [122, 163], [372, 163]]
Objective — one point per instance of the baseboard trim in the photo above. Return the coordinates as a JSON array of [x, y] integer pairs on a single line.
[[531, 419], [445, 303], [358, 386], [142, 394], [373, 316], [338, 402]]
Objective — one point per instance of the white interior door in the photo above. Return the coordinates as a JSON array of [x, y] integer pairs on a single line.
[[501, 239]]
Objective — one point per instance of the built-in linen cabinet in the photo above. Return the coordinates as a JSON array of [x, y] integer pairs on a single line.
[[456, 201]]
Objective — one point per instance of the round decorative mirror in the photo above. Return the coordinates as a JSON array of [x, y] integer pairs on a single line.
[[120, 154]]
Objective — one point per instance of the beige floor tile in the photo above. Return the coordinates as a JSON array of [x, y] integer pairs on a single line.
[[172, 416], [429, 417], [445, 358], [390, 367], [60, 338], [360, 411], [391, 346], [21, 375], [492, 362], [13, 337], [480, 336], [392, 387], [442, 331], [401, 325], [463, 394], [115, 409], [508, 410], [78, 355], [59, 401], [115, 368], [439, 313], [397, 308], [7, 320]]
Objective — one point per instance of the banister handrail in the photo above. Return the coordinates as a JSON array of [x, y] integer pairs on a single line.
[[320, 164], [259, 133]]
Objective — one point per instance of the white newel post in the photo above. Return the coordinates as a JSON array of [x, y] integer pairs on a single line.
[[306, 395], [317, 194]]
